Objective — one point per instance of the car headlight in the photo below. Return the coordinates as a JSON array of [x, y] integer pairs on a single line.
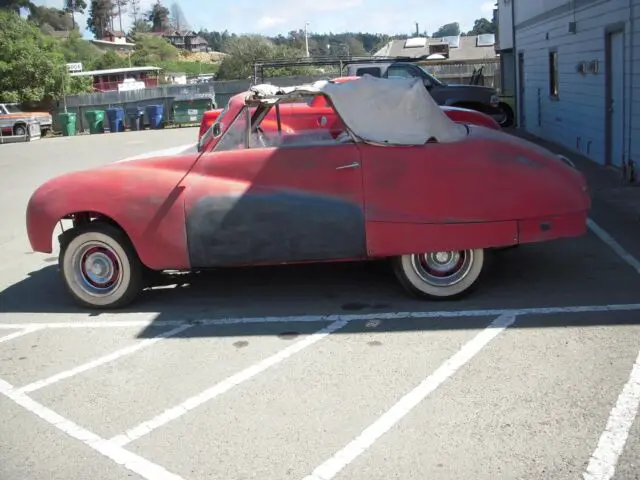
[[567, 161]]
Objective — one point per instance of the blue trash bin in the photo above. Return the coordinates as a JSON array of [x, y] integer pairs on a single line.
[[135, 115], [155, 114], [115, 117]]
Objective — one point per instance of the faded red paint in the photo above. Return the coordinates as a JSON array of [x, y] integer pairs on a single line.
[[488, 190], [145, 197]]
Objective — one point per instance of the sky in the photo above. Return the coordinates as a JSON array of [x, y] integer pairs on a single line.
[[272, 17]]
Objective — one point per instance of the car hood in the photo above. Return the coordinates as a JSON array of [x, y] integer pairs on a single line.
[[127, 175], [173, 161]]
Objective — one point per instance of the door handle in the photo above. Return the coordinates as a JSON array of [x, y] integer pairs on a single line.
[[351, 165]]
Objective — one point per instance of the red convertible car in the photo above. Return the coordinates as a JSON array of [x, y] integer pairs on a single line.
[[395, 178], [316, 113]]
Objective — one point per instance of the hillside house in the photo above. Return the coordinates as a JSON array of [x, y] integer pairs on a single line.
[[186, 40], [454, 48]]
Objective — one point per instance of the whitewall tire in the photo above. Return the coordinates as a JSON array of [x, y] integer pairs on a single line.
[[100, 267], [440, 275]]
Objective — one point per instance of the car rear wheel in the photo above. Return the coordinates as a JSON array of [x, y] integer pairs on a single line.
[[20, 130], [440, 275], [100, 267], [506, 116]]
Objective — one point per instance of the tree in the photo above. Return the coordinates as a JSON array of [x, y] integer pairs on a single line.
[[16, 5], [110, 59], [76, 49], [482, 26], [74, 6], [139, 26], [244, 50], [135, 10], [448, 30], [159, 18], [178, 19], [100, 17], [216, 40], [151, 49], [50, 19], [31, 67], [119, 7]]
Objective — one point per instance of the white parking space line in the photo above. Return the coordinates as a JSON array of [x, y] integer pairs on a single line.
[[13, 335], [146, 469], [603, 461], [602, 465], [332, 466], [624, 307], [32, 387], [224, 386], [614, 245]]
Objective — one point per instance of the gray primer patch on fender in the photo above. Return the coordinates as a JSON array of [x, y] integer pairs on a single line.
[[273, 228]]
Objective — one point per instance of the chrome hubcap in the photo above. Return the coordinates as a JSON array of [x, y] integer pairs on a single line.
[[443, 269], [97, 268]]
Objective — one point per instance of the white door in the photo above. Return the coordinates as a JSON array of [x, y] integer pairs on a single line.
[[616, 95]]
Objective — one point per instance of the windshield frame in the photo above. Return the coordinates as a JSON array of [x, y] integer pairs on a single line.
[[431, 77], [209, 135]]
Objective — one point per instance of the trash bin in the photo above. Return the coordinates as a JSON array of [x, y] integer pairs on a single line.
[[68, 123], [135, 115], [192, 110], [115, 117], [95, 118], [155, 114]]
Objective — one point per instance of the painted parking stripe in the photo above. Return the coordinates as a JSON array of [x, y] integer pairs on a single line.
[[13, 335], [614, 245], [143, 467], [32, 387], [224, 386], [602, 464], [151, 322], [335, 464], [604, 460], [167, 152]]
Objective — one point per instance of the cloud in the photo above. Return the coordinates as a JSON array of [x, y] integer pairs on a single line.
[[328, 5], [266, 22]]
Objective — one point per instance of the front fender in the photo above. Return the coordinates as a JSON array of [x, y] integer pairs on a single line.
[[148, 208]]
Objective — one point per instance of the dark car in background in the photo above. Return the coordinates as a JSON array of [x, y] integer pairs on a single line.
[[474, 97]]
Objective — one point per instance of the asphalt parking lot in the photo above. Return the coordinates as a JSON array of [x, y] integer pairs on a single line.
[[315, 372]]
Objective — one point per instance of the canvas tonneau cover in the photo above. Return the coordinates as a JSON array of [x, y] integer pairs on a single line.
[[383, 111]]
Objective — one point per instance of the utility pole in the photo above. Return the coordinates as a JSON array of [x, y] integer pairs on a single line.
[[306, 37]]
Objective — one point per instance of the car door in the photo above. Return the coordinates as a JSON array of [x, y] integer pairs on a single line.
[[298, 202]]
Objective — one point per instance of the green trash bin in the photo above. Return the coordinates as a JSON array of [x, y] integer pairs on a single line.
[[95, 118], [190, 110], [68, 124]]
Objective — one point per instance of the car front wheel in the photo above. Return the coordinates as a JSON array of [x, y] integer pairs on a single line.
[[100, 267], [440, 275]]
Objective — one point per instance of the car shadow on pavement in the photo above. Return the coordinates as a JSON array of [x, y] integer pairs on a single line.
[[565, 273]]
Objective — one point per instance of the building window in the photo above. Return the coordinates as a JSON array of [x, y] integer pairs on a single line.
[[553, 74]]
